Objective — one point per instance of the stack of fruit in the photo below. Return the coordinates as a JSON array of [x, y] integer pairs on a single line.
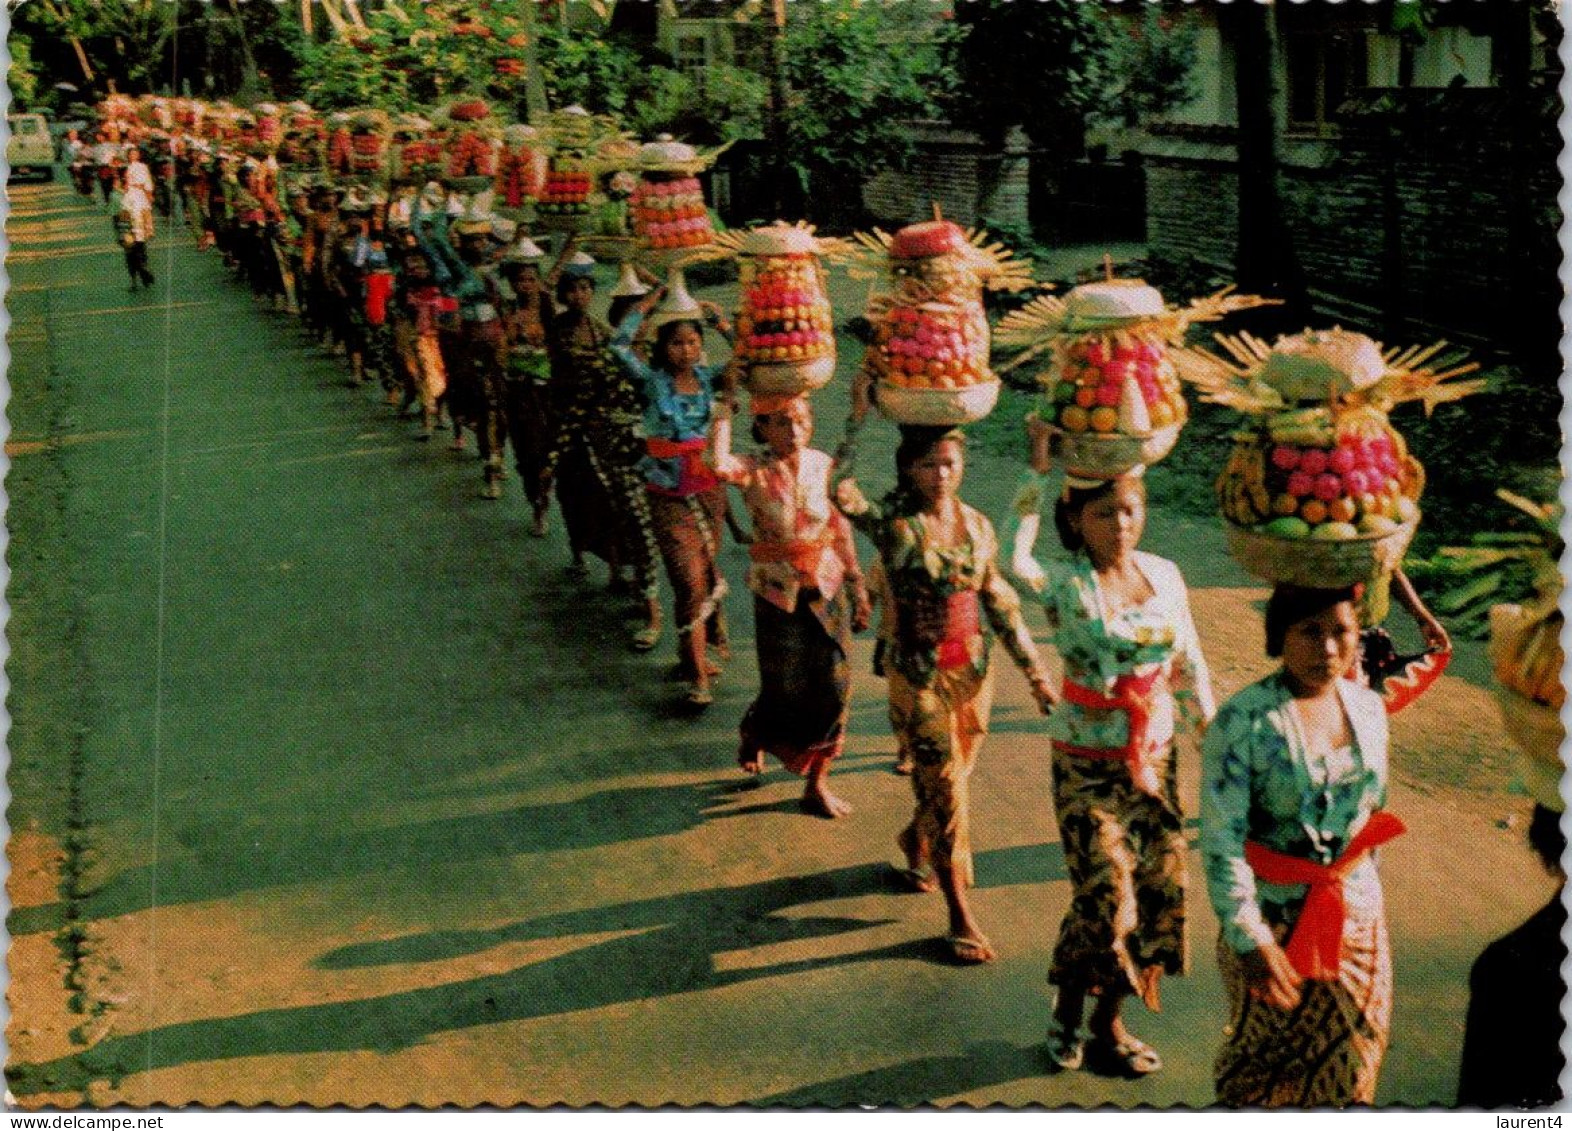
[[931, 338], [785, 327], [670, 219], [417, 157], [567, 188], [470, 153], [1309, 475], [521, 169], [1113, 346], [670, 213], [1125, 384], [270, 126], [369, 133], [1322, 494]]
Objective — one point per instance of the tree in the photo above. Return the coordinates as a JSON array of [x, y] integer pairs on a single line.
[[1266, 261], [856, 71]]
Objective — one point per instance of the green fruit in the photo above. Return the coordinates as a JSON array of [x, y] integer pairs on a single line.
[[1376, 524], [1289, 526], [1064, 391], [1335, 532]]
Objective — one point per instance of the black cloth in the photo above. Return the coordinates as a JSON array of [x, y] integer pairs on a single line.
[[1512, 1039]]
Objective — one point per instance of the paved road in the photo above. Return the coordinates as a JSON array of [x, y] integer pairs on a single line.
[[331, 787]]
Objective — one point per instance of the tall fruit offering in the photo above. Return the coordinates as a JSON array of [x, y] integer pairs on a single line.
[[785, 327], [1320, 489], [1113, 348], [931, 342], [670, 218]]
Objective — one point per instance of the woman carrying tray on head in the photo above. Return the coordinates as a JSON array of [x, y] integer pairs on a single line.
[[687, 503], [949, 598], [1120, 620], [808, 596], [1294, 782], [527, 320], [595, 448]]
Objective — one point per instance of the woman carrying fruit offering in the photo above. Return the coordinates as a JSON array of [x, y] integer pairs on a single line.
[[1120, 619], [594, 453], [687, 503], [949, 598], [808, 596], [1294, 782]]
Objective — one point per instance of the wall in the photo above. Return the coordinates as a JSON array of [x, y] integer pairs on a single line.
[[1469, 176], [955, 170]]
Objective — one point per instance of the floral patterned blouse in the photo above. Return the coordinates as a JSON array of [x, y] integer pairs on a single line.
[[1261, 782], [1100, 644], [918, 575], [788, 507]]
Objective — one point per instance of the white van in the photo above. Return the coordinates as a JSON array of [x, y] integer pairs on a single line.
[[31, 149]]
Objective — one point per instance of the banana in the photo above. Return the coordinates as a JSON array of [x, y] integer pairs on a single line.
[[1255, 482]]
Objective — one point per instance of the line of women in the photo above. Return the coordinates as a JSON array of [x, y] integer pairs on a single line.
[[632, 427]]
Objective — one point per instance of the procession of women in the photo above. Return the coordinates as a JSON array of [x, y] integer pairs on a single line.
[[459, 265]]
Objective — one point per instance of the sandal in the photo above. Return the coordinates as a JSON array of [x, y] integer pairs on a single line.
[[1065, 1047], [699, 696], [1130, 1056], [970, 952], [645, 638]]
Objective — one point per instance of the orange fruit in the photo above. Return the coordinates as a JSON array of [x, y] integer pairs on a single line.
[[1086, 397], [1105, 419], [1341, 510], [1074, 418], [1370, 504], [1285, 504], [1313, 511]]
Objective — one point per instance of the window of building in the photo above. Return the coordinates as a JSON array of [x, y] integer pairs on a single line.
[[691, 52], [1324, 67]]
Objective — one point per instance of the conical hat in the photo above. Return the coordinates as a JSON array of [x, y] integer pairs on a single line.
[[581, 266], [523, 250], [503, 231], [678, 305], [476, 220], [629, 285]]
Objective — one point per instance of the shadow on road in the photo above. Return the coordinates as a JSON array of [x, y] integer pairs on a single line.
[[674, 952], [921, 1081]]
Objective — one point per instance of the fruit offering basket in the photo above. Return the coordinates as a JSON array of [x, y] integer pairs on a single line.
[[1518, 563], [473, 142], [573, 137], [1113, 350], [785, 327], [930, 350], [521, 166], [670, 219], [1325, 494]]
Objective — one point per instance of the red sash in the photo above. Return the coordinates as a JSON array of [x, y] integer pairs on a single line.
[[694, 476], [379, 288], [961, 626], [803, 556], [1132, 694], [1316, 946]]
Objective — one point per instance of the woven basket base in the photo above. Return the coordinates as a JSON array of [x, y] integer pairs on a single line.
[[778, 379], [937, 406], [1315, 564]]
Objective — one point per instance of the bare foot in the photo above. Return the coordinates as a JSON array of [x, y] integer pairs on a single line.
[[971, 950], [751, 763], [821, 802]]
